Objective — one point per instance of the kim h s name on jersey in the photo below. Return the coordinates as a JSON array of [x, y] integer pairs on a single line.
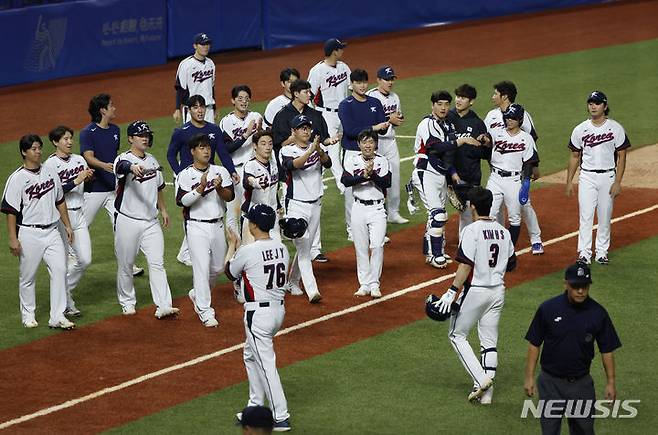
[[37, 190], [336, 79], [202, 76], [491, 234], [591, 140], [504, 147]]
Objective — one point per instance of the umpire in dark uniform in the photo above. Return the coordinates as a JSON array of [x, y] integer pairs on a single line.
[[467, 157], [568, 325]]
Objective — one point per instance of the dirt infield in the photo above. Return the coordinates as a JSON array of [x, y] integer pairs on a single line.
[[148, 92], [120, 349], [40, 374]]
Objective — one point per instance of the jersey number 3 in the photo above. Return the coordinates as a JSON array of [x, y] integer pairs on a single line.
[[279, 270], [493, 259]]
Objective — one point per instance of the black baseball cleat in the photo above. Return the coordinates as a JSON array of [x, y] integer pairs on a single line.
[[603, 260]]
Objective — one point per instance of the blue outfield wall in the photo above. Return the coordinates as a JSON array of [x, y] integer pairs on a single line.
[[83, 37]]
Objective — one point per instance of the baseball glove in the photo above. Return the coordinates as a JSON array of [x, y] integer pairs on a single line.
[[455, 200]]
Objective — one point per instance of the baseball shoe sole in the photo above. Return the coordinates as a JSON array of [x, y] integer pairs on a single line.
[[30, 324], [362, 291], [584, 260], [211, 323], [64, 324], [397, 219], [161, 313], [603, 260], [479, 392], [537, 249], [316, 299], [321, 258], [72, 312], [375, 293], [138, 271], [438, 262], [128, 311]]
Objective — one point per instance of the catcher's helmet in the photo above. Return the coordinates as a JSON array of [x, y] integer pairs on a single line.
[[514, 111], [263, 216], [293, 228], [139, 128]]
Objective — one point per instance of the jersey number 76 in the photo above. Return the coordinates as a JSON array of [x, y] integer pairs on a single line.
[[279, 270]]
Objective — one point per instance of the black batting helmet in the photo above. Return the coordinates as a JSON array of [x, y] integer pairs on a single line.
[[514, 111], [139, 128], [263, 216], [293, 228], [432, 309]]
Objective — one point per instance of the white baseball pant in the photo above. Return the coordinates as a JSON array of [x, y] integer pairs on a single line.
[[349, 197], [81, 248], [302, 267], [368, 231], [131, 235], [41, 244], [484, 306], [505, 189], [261, 325], [465, 218], [433, 191], [334, 127], [531, 222], [389, 149], [594, 195], [184, 250], [233, 211], [207, 252]]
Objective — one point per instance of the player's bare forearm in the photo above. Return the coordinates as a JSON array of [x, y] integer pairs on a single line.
[[574, 161], [14, 244], [530, 366], [461, 275], [226, 193], [93, 162], [64, 214], [621, 166], [609, 367]]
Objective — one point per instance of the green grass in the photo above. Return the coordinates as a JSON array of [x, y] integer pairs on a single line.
[[553, 89], [409, 380]]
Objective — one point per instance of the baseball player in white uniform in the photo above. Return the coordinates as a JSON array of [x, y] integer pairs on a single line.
[[139, 197], [196, 76], [435, 146], [599, 146], [486, 251], [330, 82], [512, 156], [260, 182], [287, 76], [504, 95], [73, 172], [203, 190], [263, 266], [387, 145], [368, 174], [239, 127], [33, 200], [304, 161]]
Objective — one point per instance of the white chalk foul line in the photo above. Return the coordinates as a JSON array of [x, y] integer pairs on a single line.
[[288, 330]]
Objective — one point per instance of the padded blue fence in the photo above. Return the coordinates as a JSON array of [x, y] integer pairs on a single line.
[[73, 38]]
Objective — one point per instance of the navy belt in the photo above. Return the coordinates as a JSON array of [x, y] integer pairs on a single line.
[[369, 201], [205, 221], [505, 173], [570, 379], [41, 227], [267, 304], [598, 171], [75, 209]]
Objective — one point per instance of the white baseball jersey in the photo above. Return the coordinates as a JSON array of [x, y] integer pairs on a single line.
[[235, 127], [31, 195], [509, 152], [368, 190], [268, 179], [429, 130], [197, 77], [494, 121], [273, 108], [137, 197], [68, 169], [598, 143], [391, 104], [486, 246], [329, 84], [202, 206], [303, 184], [263, 266]]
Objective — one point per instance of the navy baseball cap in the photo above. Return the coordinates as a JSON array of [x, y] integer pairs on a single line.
[[257, 416], [386, 73], [597, 97], [263, 216], [301, 120], [138, 128], [514, 111], [333, 44], [578, 274], [202, 38]]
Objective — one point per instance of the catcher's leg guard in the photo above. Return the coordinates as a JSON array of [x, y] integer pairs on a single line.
[[436, 222]]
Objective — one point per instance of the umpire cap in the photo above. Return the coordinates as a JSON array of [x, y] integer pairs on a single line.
[[263, 216], [293, 228], [578, 274], [514, 111]]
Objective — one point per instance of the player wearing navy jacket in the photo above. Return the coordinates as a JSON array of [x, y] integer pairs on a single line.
[[358, 112], [180, 157]]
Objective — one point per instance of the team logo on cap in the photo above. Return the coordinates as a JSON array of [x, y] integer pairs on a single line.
[[581, 271]]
